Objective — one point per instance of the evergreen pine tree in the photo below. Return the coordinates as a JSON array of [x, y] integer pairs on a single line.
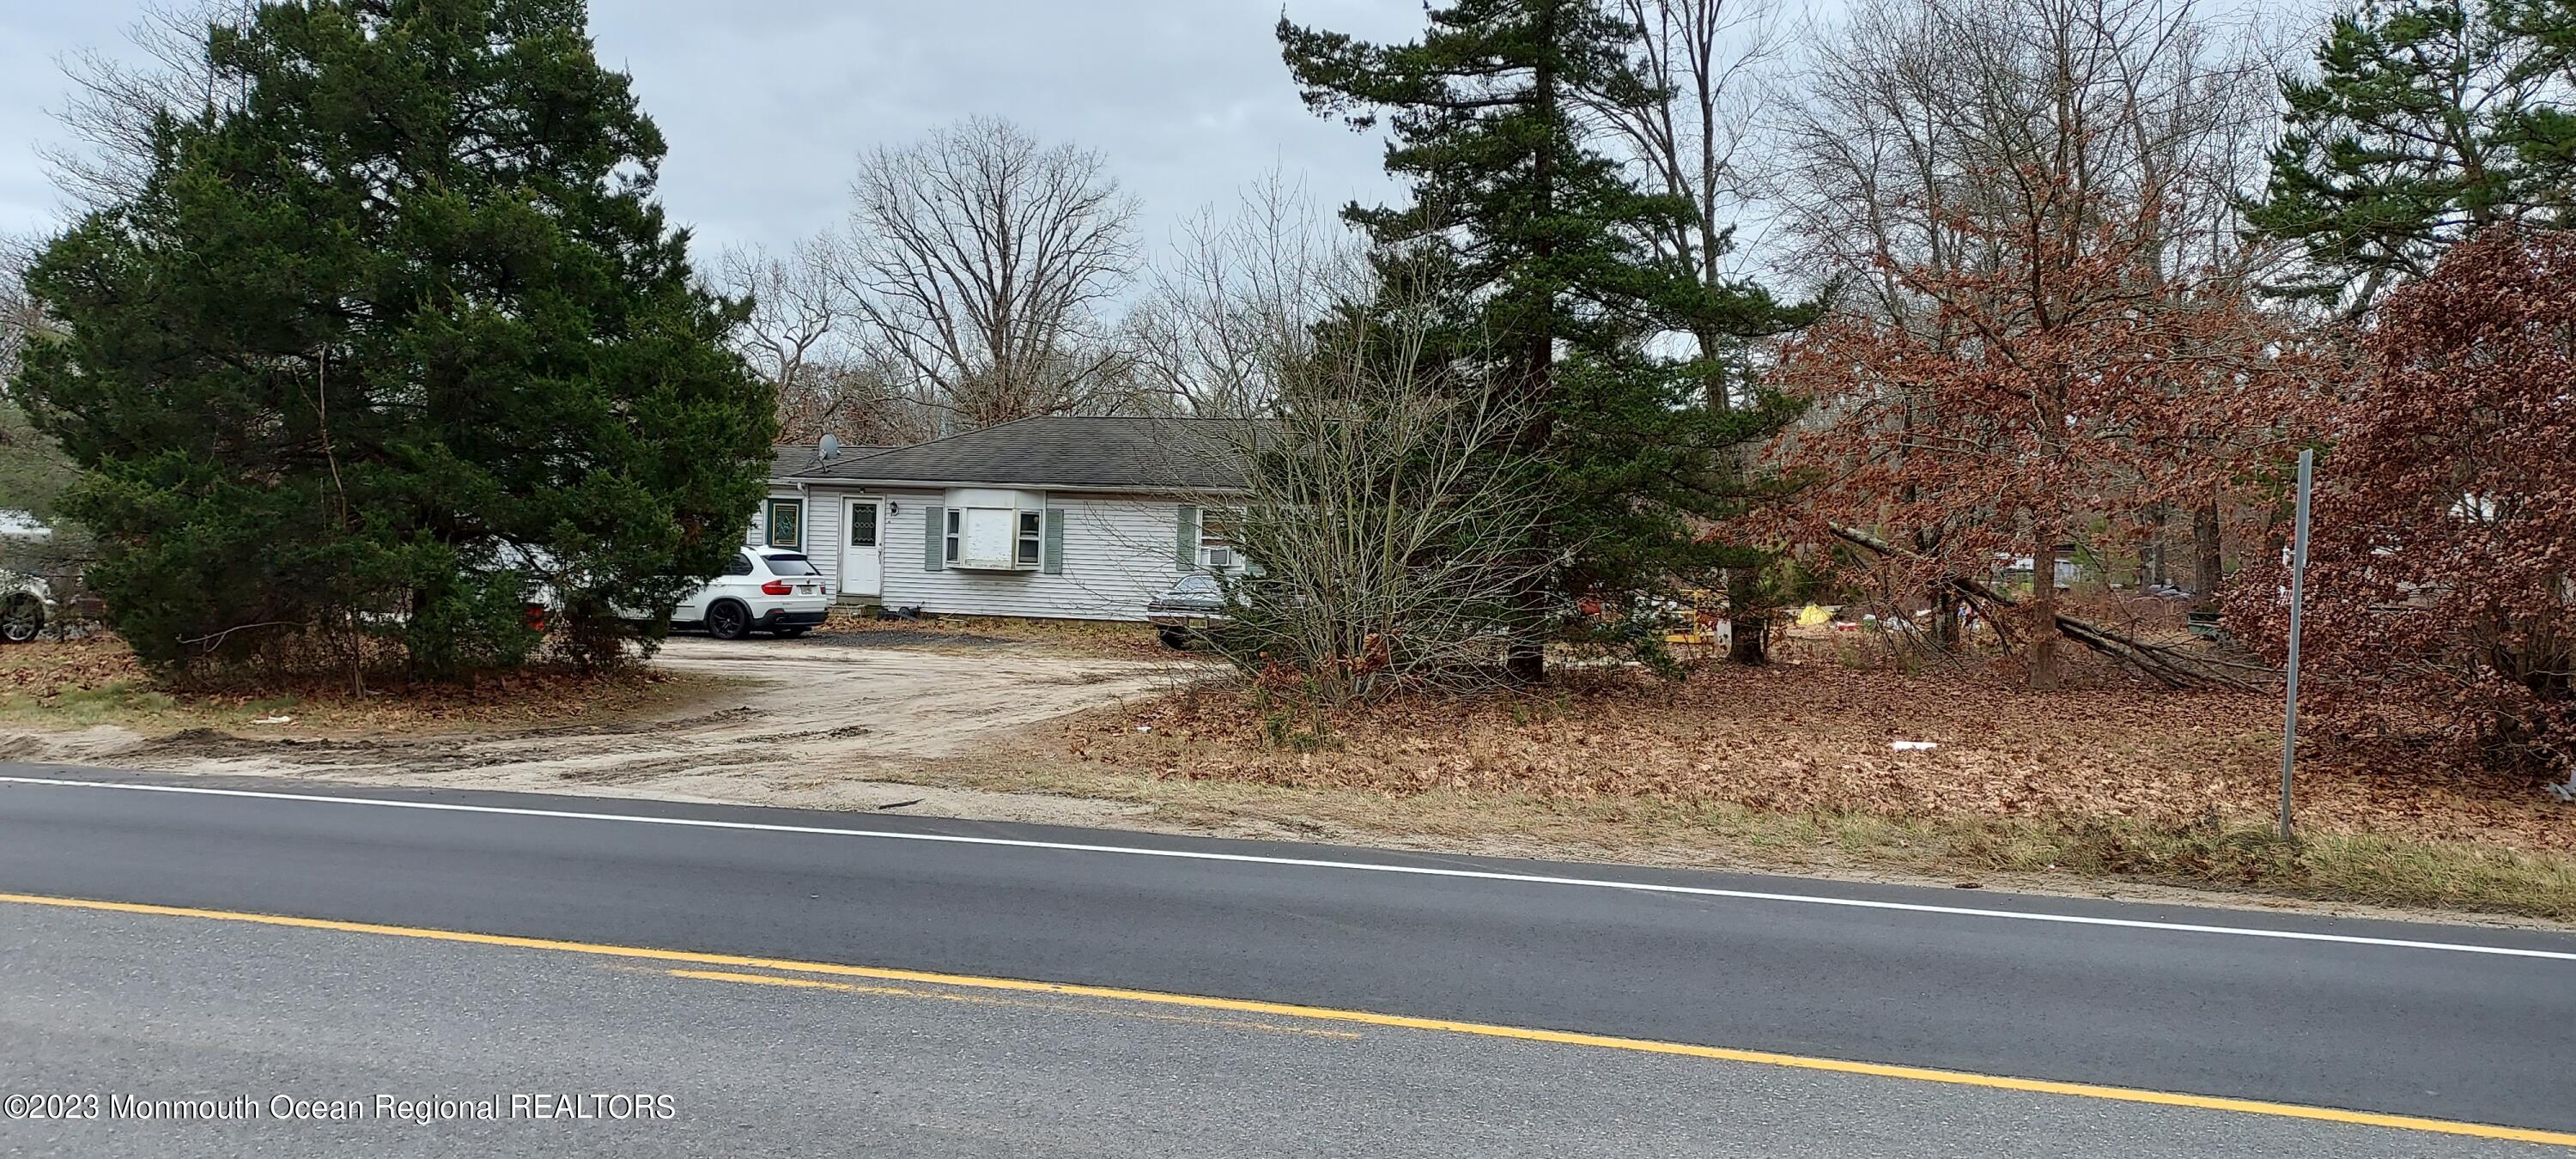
[[1539, 234], [2426, 121], [392, 340]]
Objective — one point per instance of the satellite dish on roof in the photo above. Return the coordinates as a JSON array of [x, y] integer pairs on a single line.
[[829, 448]]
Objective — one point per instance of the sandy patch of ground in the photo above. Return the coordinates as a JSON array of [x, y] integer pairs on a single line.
[[808, 723]]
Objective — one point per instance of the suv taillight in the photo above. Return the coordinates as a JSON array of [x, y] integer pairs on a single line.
[[775, 588]]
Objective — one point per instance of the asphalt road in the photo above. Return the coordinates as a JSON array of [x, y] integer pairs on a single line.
[[153, 1004]]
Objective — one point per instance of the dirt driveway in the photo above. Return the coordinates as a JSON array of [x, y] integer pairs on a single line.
[[809, 722]]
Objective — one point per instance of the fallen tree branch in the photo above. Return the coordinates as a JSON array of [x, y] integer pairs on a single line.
[[214, 640], [2166, 665]]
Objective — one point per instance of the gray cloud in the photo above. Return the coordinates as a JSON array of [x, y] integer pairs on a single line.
[[767, 105]]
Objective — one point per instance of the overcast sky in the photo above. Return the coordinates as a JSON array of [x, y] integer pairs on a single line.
[[767, 105]]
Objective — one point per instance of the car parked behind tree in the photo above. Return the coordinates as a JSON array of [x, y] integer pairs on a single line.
[[764, 589]]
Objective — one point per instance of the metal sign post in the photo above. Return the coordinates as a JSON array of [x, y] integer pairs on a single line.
[[2298, 597]]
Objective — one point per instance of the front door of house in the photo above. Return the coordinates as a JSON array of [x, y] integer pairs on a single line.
[[862, 560]]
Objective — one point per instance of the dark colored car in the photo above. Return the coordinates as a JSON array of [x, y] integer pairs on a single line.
[[1192, 603]]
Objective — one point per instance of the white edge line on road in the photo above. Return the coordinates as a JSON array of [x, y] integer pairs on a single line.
[[1315, 863]]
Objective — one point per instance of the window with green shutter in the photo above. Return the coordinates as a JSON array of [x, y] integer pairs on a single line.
[[1185, 538], [786, 524]]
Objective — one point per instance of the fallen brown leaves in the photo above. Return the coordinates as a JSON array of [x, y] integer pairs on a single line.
[[52, 667], [1817, 739]]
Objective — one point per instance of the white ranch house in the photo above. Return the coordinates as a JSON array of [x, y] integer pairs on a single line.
[[1068, 517]]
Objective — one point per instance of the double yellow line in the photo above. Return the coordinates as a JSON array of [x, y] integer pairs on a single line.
[[1326, 1014]]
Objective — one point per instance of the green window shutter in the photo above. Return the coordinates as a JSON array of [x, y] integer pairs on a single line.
[[1052, 553], [786, 524], [1185, 539], [934, 538]]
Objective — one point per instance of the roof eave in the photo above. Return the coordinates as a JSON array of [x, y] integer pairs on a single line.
[[1110, 488]]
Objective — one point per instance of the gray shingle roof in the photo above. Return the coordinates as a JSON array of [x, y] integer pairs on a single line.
[[791, 459], [1059, 451]]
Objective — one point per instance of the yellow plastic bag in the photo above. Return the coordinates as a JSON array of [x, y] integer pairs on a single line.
[[1811, 615]]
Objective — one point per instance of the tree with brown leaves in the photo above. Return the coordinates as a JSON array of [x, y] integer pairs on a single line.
[[2442, 576], [2065, 383]]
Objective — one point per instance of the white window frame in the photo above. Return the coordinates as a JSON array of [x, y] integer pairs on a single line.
[[994, 529], [963, 524], [1211, 546], [1029, 545]]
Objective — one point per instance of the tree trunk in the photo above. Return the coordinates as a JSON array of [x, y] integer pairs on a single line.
[[2151, 554], [2043, 612], [1749, 640], [1525, 660], [2204, 557]]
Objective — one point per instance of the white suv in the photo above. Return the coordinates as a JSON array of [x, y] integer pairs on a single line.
[[26, 605], [765, 588]]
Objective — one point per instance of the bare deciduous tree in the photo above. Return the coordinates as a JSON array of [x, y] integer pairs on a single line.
[[2031, 164], [863, 397], [115, 100], [1914, 116], [795, 306], [19, 315], [1704, 59], [1704, 56], [1240, 298], [982, 261]]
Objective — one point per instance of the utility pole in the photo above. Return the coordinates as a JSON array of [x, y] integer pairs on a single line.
[[2298, 597]]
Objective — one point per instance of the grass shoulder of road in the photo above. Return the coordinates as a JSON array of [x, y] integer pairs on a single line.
[[1794, 769], [71, 685]]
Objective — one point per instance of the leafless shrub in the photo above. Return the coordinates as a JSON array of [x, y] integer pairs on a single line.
[[1386, 524]]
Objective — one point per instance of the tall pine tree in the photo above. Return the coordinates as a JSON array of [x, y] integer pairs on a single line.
[[1539, 235], [390, 342], [2426, 121]]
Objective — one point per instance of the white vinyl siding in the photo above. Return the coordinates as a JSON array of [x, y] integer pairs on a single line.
[[822, 529], [1115, 554]]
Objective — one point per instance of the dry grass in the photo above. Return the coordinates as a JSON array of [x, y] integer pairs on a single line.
[[1793, 766], [95, 681]]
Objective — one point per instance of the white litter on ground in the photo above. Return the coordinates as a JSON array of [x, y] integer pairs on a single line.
[[1913, 746]]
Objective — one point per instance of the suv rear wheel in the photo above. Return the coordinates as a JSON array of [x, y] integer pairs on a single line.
[[727, 620], [21, 618]]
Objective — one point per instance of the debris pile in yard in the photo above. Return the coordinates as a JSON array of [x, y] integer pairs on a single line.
[[1826, 739]]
